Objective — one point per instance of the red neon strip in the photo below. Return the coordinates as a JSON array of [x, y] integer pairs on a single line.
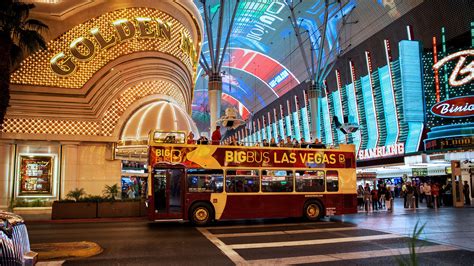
[[436, 74]]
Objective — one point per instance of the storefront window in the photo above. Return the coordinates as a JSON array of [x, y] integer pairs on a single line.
[[134, 187], [36, 174]]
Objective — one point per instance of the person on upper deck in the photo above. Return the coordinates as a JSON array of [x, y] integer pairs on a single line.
[[216, 136], [190, 139], [317, 144], [288, 142], [273, 143], [303, 143]]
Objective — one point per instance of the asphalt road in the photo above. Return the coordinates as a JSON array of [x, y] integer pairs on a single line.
[[262, 242]]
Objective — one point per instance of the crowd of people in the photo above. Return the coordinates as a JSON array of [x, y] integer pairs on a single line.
[[434, 195], [216, 139]]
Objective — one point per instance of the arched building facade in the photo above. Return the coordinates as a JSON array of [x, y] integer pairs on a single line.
[[73, 102]]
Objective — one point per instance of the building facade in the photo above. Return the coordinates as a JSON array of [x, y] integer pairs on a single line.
[[110, 73]]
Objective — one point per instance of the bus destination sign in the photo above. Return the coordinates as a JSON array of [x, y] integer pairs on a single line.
[[213, 156]]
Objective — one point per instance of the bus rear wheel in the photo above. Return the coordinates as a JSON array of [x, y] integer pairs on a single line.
[[201, 214], [313, 210]]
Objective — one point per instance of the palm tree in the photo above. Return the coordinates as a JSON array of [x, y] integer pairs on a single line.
[[19, 37]]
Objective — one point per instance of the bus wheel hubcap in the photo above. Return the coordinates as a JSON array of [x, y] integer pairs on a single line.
[[313, 210], [201, 214]]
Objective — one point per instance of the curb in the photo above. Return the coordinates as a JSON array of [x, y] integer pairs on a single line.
[[95, 220], [50, 251]]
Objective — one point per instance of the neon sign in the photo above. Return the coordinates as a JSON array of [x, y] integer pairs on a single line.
[[455, 107], [385, 151], [83, 49], [460, 69]]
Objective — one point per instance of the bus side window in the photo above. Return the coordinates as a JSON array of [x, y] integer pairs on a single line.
[[332, 181], [277, 181], [205, 180], [310, 181], [242, 181]]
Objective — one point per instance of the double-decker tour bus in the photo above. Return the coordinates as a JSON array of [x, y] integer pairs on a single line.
[[203, 183]]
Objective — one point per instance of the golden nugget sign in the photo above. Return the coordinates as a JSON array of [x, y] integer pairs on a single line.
[[213, 156], [83, 49]]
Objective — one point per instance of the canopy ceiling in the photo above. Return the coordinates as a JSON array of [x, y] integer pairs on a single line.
[[263, 60]]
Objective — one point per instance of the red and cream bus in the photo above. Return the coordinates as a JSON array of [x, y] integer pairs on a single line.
[[203, 183]]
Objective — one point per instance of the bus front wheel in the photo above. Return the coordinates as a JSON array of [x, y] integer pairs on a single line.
[[313, 210], [201, 214]]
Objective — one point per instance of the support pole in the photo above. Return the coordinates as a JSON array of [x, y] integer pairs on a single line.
[[215, 95], [203, 61], [314, 93], [294, 23], [210, 39], [219, 36], [323, 40], [228, 34]]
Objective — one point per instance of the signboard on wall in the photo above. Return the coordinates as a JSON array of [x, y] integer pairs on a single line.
[[36, 174], [454, 107], [380, 152], [419, 172], [448, 82], [450, 143]]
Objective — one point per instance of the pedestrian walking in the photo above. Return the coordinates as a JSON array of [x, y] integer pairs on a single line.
[[465, 190], [427, 194], [367, 197], [388, 199]]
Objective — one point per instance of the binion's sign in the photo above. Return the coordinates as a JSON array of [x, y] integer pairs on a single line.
[[83, 49], [454, 107], [379, 152]]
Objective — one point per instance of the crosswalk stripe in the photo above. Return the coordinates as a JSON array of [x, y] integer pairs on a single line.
[[312, 242], [229, 252], [286, 232], [349, 255], [264, 225]]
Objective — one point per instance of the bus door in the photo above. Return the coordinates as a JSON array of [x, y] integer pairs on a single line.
[[167, 189]]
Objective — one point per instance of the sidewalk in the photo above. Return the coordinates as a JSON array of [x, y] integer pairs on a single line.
[[445, 225], [398, 208]]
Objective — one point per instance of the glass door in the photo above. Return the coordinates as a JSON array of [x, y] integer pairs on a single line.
[[168, 194], [176, 178], [160, 198]]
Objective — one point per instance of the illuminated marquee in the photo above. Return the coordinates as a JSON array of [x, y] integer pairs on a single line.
[[460, 69], [85, 48], [95, 43], [385, 151]]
